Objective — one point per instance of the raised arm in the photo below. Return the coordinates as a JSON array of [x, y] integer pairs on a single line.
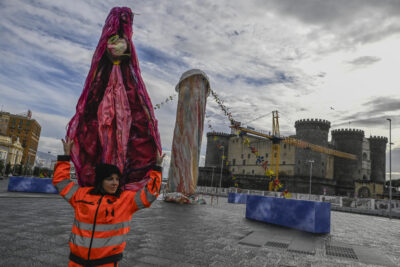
[[149, 193], [61, 179]]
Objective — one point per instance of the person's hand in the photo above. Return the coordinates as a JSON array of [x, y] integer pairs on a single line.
[[67, 144], [160, 159]]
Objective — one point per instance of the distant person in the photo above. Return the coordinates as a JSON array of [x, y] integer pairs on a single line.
[[103, 212]]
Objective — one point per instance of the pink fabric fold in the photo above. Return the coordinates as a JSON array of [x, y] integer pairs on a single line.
[[114, 117]]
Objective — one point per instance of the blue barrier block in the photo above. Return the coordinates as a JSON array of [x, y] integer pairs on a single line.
[[309, 216], [34, 185], [237, 198]]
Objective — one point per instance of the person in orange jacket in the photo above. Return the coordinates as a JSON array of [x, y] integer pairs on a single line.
[[102, 212]]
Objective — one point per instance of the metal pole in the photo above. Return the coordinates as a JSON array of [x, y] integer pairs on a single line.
[[222, 164], [311, 162], [390, 168]]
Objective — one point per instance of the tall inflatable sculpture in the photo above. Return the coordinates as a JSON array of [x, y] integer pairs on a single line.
[[193, 89], [114, 121]]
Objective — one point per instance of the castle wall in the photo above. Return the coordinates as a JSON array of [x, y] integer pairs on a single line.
[[214, 151], [346, 171], [332, 175], [366, 160], [243, 161], [314, 131], [378, 158]]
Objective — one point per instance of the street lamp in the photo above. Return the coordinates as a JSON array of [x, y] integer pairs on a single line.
[[390, 168], [311, 162], [222, 164]]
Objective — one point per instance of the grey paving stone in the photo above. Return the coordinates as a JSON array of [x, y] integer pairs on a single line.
[[161, 261], [256, 238], [372, 256], [303, 245], [183, 235]]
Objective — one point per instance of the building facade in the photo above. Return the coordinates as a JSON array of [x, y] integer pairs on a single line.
[[27, 130], [10, 152], [363, 177]]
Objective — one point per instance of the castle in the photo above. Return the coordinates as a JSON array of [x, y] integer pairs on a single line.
[[363, 177]]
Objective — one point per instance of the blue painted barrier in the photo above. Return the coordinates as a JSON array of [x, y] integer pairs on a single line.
[[30, 184], [237, 198], [309, 216]]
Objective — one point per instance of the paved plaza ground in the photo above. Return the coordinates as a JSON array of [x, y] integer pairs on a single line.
[[35, 228]]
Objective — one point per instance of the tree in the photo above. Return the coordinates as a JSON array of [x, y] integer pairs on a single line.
[[8, 168], [36, 171], [395, 183], [18, 169], [1, 166]]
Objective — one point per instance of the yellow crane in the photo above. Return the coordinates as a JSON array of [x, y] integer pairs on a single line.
[[276, 139]]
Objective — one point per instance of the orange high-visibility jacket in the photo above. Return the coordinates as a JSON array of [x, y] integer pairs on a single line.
[[101, 222]]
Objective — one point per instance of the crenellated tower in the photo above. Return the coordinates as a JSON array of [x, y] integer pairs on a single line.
[[215, 141], [378, 158], [346, 171], [314, 131]]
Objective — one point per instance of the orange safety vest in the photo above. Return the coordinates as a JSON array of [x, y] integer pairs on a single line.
[[101, 222]]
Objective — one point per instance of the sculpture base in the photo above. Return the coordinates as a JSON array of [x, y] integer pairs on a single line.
[[33, 185], [309, 216], [237, 198]]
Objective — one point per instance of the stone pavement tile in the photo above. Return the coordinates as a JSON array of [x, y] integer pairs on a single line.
[[292, 259], [17, 262], [303, 245], [50, 259], [176, 257], [256, 261], [372, 256], [256, 238], [158, 261]]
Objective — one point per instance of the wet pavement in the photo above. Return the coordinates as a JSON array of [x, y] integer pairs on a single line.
[[35, 228]]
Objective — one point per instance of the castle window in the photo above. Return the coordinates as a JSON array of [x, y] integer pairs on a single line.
[[284, 146], [233, 169], [275, 155], [284, 163], [322, 163], [241, 156], [243, 171], [244, 162], [233, 162], [248, 156], [298, 162], [266, 155], [365, 156]]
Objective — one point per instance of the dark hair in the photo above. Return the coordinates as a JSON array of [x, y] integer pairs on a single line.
[[103, 171]]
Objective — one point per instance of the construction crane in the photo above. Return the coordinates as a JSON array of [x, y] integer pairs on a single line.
[[276, 139]]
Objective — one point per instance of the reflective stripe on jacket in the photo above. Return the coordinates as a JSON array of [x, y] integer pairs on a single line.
[[101, 221]]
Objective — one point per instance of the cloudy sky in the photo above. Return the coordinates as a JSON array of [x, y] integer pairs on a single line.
[[330, 59]]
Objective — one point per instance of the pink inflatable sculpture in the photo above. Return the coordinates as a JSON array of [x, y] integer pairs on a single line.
[[114, 121]]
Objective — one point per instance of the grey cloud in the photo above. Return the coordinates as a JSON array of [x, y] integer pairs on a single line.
[[375, 108], [364, 61], [347, 22], [383, 104], [368, 122], [395, 160]]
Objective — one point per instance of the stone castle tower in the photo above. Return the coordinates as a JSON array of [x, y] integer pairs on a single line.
[[314, 131], [215, 141], [378, 158], [346, 171]]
